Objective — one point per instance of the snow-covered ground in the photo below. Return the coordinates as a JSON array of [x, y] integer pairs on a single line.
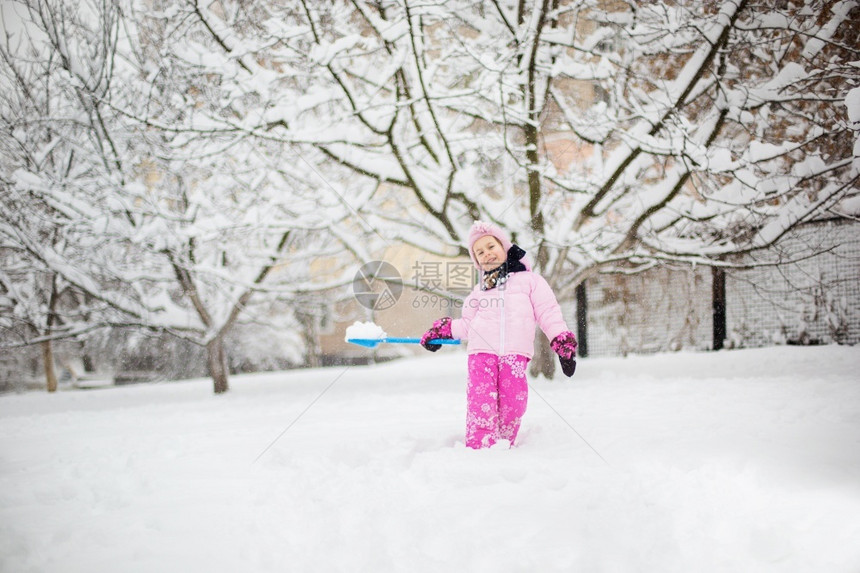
[[732, 461]]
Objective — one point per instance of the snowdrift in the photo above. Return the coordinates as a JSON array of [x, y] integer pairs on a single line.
[[731, 461]]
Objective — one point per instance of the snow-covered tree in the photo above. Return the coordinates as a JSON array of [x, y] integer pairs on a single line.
[[160, 222], [56, 154], [605, 135]]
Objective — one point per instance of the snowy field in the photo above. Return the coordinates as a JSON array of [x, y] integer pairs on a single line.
[[732, 461]]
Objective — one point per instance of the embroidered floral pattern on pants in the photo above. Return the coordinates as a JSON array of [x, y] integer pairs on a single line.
[[497, 397]]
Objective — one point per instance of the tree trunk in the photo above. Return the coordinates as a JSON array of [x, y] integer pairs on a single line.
[[543, 362], [309, 333], [48, 360], [47, 346], [218, 365]]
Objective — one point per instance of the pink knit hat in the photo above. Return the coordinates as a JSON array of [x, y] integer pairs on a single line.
[[481, 229]]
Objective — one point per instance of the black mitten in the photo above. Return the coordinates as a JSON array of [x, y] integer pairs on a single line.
[[568, 366]]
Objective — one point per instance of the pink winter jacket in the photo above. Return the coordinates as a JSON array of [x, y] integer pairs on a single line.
[[502, 320]]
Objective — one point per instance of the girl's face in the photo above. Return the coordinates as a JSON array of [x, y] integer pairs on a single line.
[[488, 252]]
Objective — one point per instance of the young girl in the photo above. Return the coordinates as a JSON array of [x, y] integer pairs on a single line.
[[498, 320]]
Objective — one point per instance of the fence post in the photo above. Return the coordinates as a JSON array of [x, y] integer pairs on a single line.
[[581, 320], [718, 278]]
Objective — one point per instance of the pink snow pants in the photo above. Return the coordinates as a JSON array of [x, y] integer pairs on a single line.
[[496, 397]]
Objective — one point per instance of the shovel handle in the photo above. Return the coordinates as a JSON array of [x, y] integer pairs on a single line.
[[418, 340], [372, 342]]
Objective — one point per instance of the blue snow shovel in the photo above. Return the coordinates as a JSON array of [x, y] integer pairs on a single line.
[[372, 342]]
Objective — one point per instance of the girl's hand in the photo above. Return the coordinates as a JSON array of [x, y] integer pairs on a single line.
[[440, 329], [565, 346]]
